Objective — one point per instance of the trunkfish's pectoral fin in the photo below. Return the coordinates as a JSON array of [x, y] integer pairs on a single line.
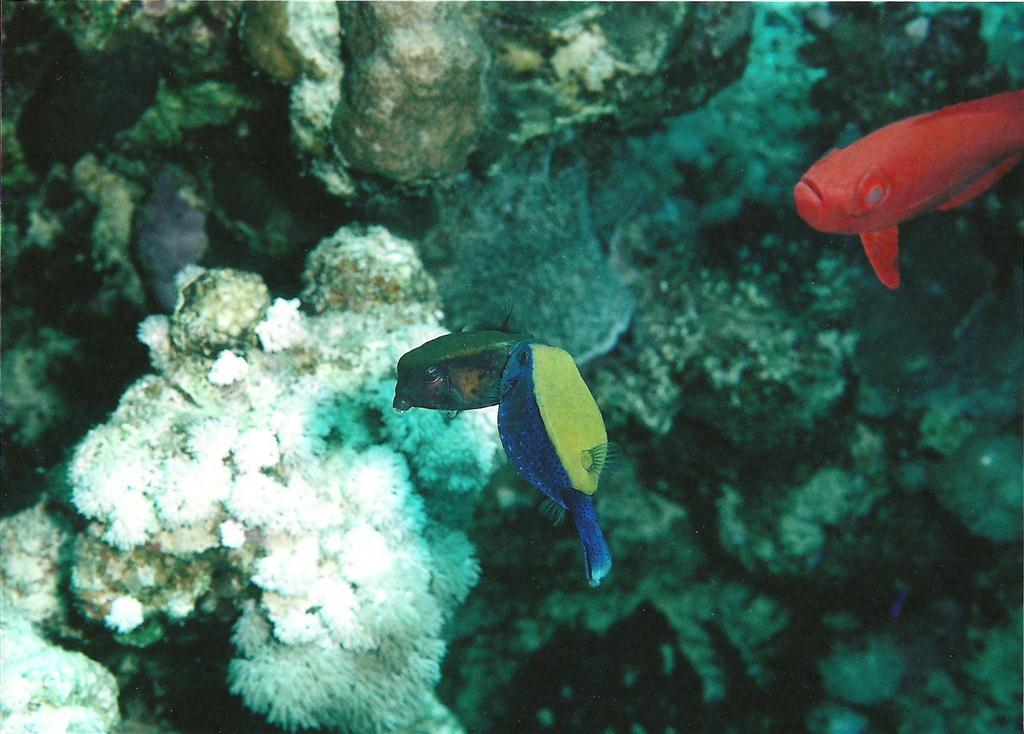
[[883, 251]]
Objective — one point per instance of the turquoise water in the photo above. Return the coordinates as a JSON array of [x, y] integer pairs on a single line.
[[224, 224]]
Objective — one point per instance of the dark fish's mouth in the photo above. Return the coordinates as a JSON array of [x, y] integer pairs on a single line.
[[401, 404]]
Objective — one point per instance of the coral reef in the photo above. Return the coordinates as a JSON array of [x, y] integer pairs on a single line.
[[932, 59], [797, 531], [785, 429], [218, 310], [502, 243], [46, 688], [562, 66], [31, 402], [750, 141], [264, 31], [413, 100], [178, 112], [983, 484], [365, 272], [286, 483], [816, 513], [115, 200], [29, 567], [708, 623], [414, 94], [749, 365], [301, 43], [863, 676]]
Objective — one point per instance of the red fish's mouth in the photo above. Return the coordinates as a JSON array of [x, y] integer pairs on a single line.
[[809, 203]]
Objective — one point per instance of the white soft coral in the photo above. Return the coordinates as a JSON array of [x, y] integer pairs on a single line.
[[295, 473]]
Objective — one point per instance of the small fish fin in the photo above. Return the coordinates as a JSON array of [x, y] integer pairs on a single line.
[[883, 251], [450, 415], [492, 393], [552, 511], [981, 184], [503, 325], [601, 458], [506, 320]]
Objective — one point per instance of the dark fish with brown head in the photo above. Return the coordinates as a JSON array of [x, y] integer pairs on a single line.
[[459, 371]]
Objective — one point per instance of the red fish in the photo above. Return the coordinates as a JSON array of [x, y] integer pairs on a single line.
[[937, 160]]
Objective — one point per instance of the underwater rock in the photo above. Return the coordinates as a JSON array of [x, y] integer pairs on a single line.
[[787, 531], [365, 268], [564, 66], [863, 675], [950, 66], [115, 199], [285, 494], [29, 567], [417, 91], [524, 240], [413, 98], [983, 485], [264, 32], [44, 688], [31, 403], [218, 309], [748, 365], [314, 31]]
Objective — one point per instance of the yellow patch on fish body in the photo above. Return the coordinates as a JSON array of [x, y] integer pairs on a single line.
[[570, 415]]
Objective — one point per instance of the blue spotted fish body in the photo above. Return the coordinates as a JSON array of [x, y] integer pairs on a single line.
[[554, 436]]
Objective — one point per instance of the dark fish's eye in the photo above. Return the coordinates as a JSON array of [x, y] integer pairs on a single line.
[[431, 375], [524, 358]]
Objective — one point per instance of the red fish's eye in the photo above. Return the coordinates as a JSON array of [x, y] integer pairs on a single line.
[[874, 189]]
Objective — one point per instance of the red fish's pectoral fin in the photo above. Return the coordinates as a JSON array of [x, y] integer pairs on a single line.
[[883, 250], [982, 184]]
